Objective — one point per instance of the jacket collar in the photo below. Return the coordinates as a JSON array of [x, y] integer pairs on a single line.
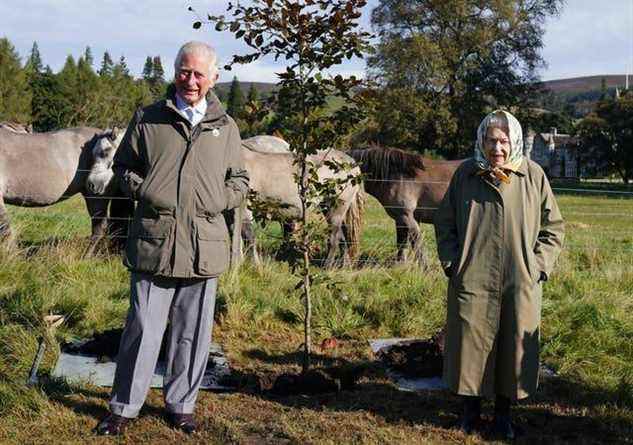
[[472, 167]]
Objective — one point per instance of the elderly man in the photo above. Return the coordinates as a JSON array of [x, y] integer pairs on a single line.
[[499, 232], [181, 161]]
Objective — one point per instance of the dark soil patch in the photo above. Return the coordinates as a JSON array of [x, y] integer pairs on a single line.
[[105, 346], [315, 381], [414, 358]]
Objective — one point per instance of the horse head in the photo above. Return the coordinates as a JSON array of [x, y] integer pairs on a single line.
[[102, 153]]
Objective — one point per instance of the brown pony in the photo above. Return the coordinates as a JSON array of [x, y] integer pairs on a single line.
[[409, 187]]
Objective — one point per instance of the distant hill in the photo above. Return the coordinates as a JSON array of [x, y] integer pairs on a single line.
[[586, 83], [263, 88], [578, 96]]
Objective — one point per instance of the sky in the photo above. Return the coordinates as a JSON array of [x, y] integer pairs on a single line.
[[589, 37]]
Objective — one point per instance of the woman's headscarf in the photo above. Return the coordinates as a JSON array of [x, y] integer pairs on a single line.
[[515, 154]]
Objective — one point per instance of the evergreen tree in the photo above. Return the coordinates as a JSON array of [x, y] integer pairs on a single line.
[[88, 57], [66, 102], [252, 95], [106, 65], [148, 69], [158, 73], [47, 102], [121, 68], [34, 63], [15, 95], [235, 101]]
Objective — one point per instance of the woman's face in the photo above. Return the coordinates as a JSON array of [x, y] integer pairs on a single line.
[[497, 146]]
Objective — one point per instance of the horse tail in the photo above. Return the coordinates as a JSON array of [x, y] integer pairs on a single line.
[[354, 223]]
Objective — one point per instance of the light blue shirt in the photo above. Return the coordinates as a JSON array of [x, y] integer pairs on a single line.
[[193, 114]]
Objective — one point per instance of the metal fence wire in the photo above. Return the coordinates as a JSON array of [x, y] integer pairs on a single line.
[[382, 242]]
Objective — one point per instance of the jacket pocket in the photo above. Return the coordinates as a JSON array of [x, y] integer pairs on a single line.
[[212, 251], [146, 250], [533, 268]]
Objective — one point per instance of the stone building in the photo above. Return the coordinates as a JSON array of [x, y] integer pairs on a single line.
[[557, 153]]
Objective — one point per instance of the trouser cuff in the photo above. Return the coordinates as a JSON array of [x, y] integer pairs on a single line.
[[124, 410]]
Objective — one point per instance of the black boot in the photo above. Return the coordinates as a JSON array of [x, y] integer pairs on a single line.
[[503, 426], [471, 414]]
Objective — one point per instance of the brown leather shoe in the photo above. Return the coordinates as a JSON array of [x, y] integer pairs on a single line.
[[183, 422], [113, 425]]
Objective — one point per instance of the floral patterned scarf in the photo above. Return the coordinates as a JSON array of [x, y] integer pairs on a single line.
[[515, 156]]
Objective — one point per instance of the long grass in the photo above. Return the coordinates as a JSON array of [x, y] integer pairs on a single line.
[[587, 333]]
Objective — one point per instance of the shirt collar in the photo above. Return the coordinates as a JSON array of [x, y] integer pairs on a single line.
[[199, 108]]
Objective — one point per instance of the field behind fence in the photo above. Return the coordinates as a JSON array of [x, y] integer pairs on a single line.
[[587, 333]]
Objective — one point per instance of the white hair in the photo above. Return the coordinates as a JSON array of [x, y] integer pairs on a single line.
[[198, 49], [498, 120]]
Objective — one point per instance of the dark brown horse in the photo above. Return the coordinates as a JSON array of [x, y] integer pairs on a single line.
[[409, 187]]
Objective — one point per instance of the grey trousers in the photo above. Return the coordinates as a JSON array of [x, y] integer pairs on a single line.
[[188, 306]]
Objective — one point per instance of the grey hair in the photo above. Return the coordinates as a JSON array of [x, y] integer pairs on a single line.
[[198, 49], [499, 120]]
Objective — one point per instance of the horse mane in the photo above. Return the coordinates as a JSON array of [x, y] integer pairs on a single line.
[[386, 162]]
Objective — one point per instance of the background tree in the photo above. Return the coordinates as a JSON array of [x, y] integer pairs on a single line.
[[106, 65], [148, 69], [462, 57], [607, 137], [121, 67], [15, 96], [158, 73], [158, 83], [235, 100], [312, 36], [88, 58], [48, 100], [252, 95], [253, 114], [34, 63]]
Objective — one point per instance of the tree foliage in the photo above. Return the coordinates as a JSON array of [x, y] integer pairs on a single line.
[[235, 100], [462, 57], [606, 137], [34, 63], [75, 96], [310, 36], [15, 96], [106, 65]]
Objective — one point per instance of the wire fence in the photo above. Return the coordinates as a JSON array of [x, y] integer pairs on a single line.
[[378, 244]]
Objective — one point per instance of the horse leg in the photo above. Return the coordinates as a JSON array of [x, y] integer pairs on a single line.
[[248, 237], [334, 241], [121, 211], [98, 210], [402, 237], [416, 241], [5, 229]]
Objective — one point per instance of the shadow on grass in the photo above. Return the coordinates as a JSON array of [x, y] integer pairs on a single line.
[[85, 400], [563, 411]]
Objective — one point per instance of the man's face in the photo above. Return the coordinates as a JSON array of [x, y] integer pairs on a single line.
[[497, 146], [192, 78]]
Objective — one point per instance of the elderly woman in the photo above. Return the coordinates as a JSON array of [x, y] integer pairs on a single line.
[[499, 232]]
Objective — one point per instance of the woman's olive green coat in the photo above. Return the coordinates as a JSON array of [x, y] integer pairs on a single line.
[[497, 244]]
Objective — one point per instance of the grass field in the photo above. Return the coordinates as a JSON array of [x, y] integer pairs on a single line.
[[587, 338]]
